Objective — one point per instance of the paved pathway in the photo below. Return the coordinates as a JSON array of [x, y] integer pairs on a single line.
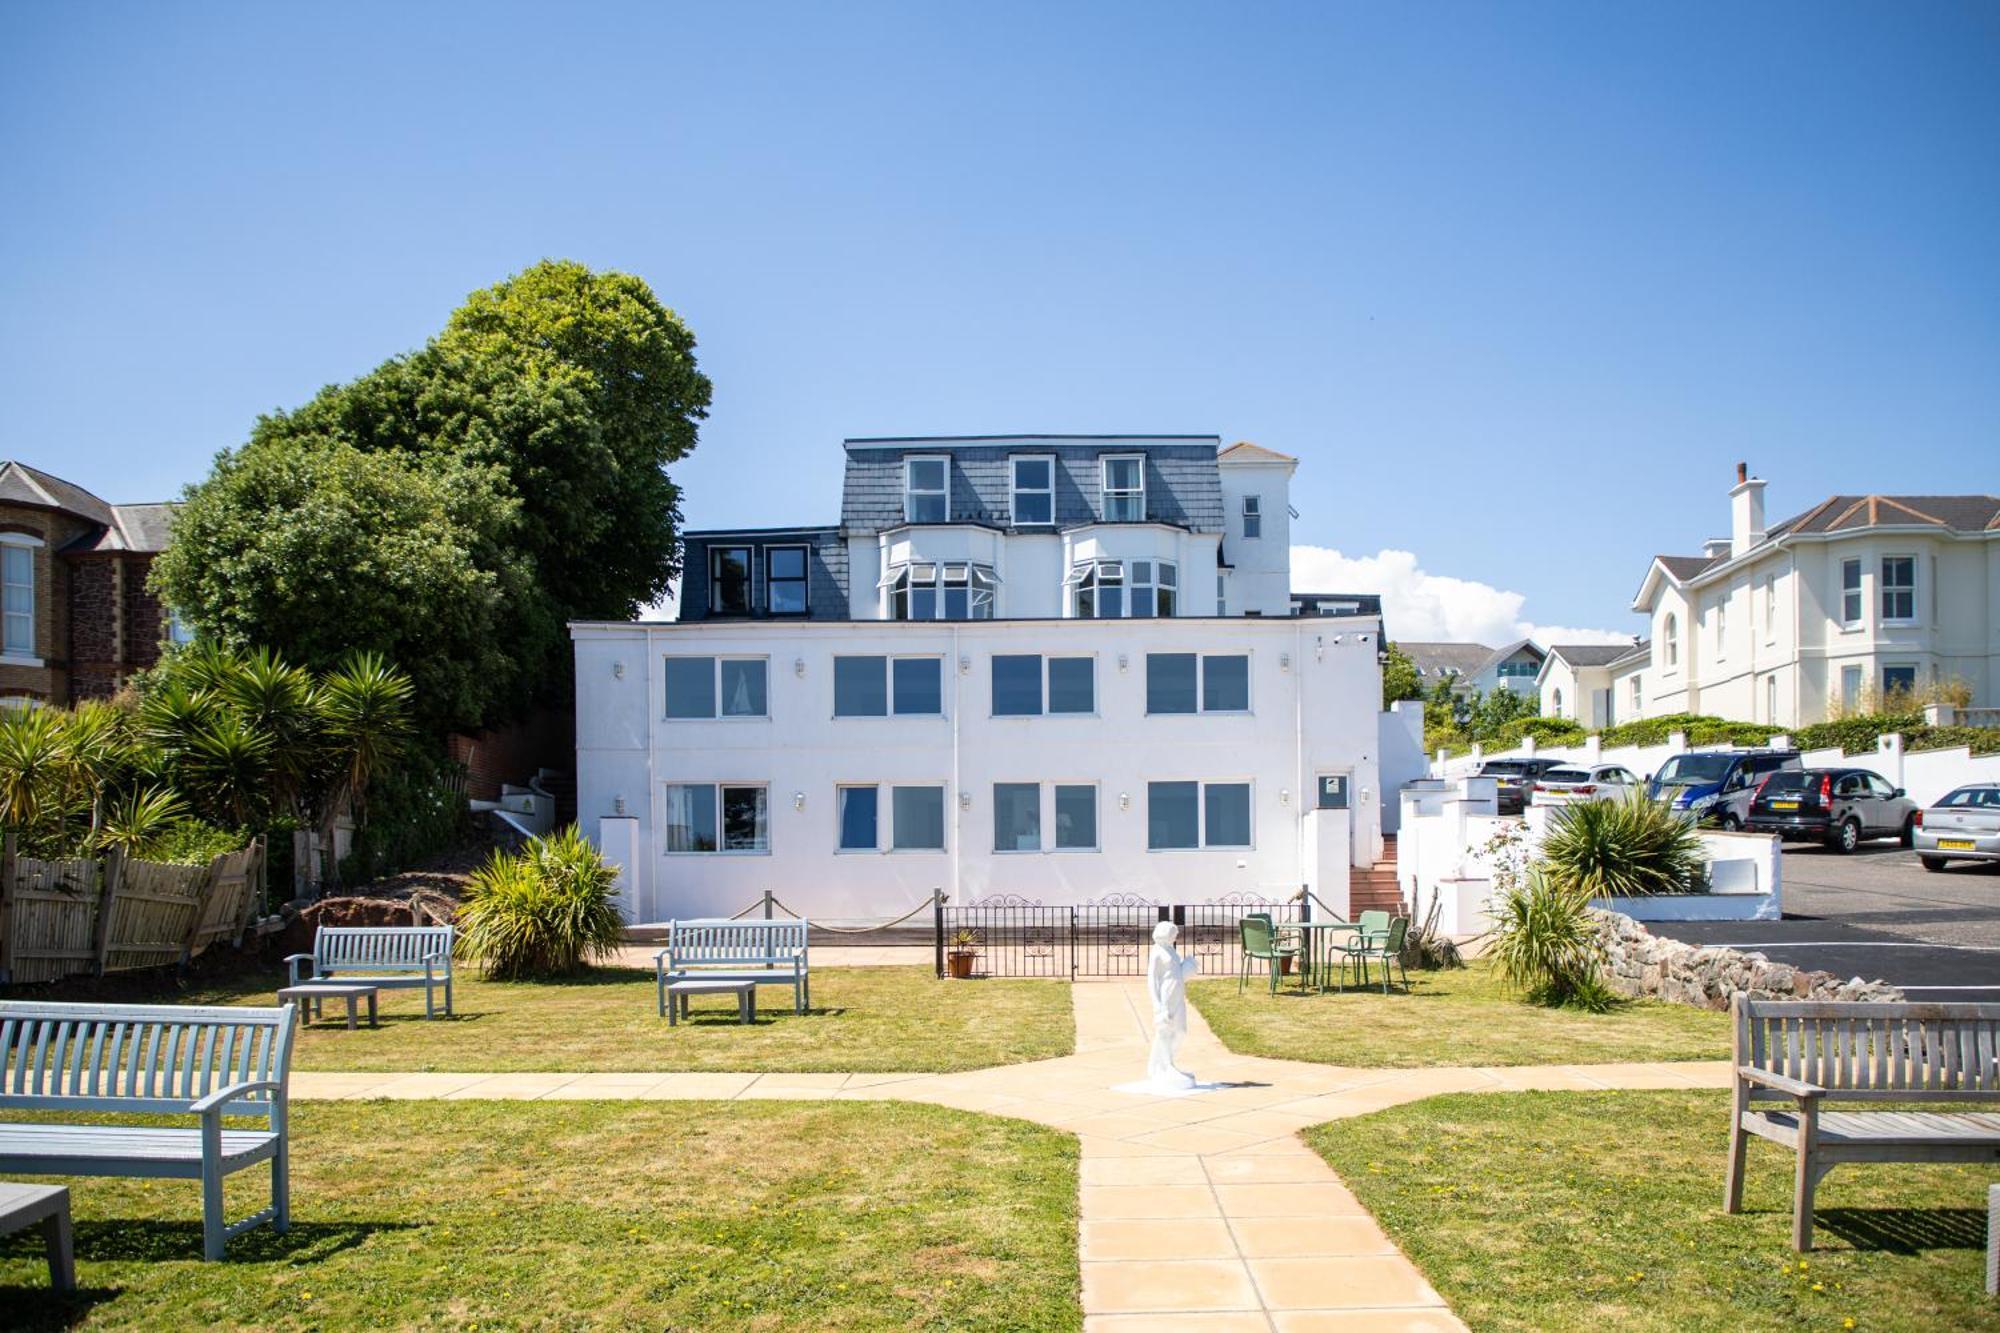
[[1203, 1212]]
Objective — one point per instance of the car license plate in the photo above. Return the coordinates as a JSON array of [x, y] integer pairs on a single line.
[[1784, 805], [1954, 844]]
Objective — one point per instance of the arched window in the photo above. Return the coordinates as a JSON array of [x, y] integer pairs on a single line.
[[1670, 633], [1559, 701]]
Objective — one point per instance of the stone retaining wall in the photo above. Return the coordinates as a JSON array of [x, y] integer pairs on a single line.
[[1640, 963]]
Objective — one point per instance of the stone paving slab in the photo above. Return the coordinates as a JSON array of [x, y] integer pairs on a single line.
[[1204, 1212]]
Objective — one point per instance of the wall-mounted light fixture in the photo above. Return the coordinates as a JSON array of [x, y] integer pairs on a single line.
[[798, 666], [1123, 662], [1124, 801], [965, 800], [1284, 661], [798, 800], [964, 664], [1319, 647], [618, 805], [1284, 796], [617, 671]]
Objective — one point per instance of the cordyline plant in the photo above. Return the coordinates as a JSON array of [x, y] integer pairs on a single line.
[[1545, 943], [1630, 848], [545, 911]]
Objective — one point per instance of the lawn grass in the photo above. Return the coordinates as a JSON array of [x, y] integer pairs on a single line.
[[863, 1020], [1603, 1210], [1460, 1017], [674, 1215]]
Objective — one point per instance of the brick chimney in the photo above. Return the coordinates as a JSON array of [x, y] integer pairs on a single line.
[[1746, 511]]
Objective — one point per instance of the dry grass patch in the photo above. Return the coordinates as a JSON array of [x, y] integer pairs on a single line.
[[675, 1215], [863, 1020], [1460, 1017], [1589, 1211]]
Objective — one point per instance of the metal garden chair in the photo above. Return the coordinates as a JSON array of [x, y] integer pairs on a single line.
[[1260, 942]]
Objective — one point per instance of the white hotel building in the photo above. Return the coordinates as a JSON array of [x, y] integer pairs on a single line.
[[1057, 667]]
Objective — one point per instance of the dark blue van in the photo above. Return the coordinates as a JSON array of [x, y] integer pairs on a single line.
[[1716, 785]]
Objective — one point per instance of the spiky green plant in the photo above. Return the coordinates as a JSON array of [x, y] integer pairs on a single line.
[[140, 819], [226, 765], [32, 765], [545, 911], [364, 709], [1545, 943], [1629, 848]]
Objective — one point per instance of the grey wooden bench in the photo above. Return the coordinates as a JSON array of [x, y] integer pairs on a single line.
[[383, 956], [46, 1206], [153, 1060], [1808, 1054], [770, 953]]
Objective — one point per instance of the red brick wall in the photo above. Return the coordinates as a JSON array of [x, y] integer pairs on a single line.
[[546, 739], [145, 621]]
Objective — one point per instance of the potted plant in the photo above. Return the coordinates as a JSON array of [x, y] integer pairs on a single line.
[[960, 952]]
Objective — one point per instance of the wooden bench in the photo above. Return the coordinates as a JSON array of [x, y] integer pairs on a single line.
[[680, 992], [45, 1206], [769, 953], [383, 956], [1808, 1054], [152, 1060], [310, 998]]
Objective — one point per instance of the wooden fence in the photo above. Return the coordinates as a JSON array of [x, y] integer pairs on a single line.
[[111, 914]]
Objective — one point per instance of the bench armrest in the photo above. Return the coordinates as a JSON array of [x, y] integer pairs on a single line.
[[1781, 1082], [292, 962], [235, 1092], [298, 958]]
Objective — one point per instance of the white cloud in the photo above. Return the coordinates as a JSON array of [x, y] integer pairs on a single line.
[[1422, 606]]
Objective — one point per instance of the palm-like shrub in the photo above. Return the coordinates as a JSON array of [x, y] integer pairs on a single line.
[[1630, 848], [546, 911], [1545, 943], [140, 820]]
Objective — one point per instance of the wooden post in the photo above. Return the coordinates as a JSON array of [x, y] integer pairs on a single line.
[[114, 878], [201, 900], [253, 888], [9, 926]]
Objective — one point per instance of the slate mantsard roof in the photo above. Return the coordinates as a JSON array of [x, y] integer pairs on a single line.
[[1183, 486], [1956, 514], [134, 527]]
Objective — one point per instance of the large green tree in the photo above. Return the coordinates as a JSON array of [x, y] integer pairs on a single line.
[[1400, 680], [525, 447]]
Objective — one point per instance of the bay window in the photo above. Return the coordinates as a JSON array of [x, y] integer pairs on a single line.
[[940, 590], [17, 574], [1899, 588], [1112, 589]]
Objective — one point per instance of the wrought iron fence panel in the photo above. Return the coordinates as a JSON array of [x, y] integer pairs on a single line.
[[1109, 937]]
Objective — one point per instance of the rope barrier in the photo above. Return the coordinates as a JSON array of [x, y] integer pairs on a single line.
[[780, 905]]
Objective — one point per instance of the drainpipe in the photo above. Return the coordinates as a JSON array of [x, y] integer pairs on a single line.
[[957, 810], [647, 882], [1299, 753]]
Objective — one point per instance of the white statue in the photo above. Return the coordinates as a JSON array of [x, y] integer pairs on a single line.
[[1167, 976]]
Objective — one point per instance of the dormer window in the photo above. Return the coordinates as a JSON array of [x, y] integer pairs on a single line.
[[926, 490], [940, 590], [729, 580], [1034, 490], [1124, 485]]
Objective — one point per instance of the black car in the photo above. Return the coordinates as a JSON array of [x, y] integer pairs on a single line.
[[1515, 777], [1837, 806]]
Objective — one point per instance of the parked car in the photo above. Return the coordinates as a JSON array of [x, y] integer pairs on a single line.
[[1963, 826], [1716, 785], [1515, 777], [1838, 806], [1573, 786]]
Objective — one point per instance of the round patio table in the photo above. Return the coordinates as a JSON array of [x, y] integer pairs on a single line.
[[1317, 937]]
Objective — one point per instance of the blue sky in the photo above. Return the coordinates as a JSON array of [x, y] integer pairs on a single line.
[[1519, 284]]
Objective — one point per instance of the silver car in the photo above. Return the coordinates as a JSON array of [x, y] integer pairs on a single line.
[[1576, 786], [1964, 826]]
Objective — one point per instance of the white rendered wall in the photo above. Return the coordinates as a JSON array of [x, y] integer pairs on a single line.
[[1315, 693], [1261, 568]]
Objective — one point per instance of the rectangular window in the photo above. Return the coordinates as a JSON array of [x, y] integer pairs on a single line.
[[1637, 701], [918, 687], [1253, 517], [1898, 684], [785, 580], [1770, 605], [17, 570], [857, 810], [1173, 815], [1076, 817], [1034, 483], [1333, 791], [1124, 484], [860, 687], [928, 590], [729, 580], [1222, 594], [1225, 684], [1771, 699], [1850, 688], [1072, 684], [1721, 627], [1154, 587], [917, 819], [926, 483], [1017, 685], [1899, 587], [1171, 682], [1017, 817], [1182, 815], [1850, 592], [706, 687], [691, 817]]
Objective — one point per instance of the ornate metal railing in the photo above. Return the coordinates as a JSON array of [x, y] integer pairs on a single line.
[[1013, 936]]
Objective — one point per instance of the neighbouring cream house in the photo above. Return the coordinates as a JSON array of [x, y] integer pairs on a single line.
[[1581, 681], [1859, 597], [1051, 667]]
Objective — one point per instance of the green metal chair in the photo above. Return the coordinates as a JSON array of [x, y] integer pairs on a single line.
[[1386, 946], [1368, 927], [1260, 942]]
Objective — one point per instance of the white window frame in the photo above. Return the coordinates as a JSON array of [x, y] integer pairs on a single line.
[[1201, 708], [944, 829], [1253, 518], [1771, 699], [1770, 608], [30, 654], [1882, 674], [1096, 816], [1041, 820], [1165, 576], [718, 787], [1015, 490], [715, 684], [910, 492], [888, 660], [1858, 673], [1855, 597], [749, 578], [904, 581], [881, 819], [1670, 641], [1202, 844], [1885, 589], [1638, 699], [804, 579], [1721, 609], [1047, 673], [1088, 578], [1107, 494]]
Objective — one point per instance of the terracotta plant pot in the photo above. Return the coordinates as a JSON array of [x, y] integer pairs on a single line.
[[1285, 962], [960, 964]]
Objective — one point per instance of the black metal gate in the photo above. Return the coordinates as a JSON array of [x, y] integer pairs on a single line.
[[1011, 936]]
